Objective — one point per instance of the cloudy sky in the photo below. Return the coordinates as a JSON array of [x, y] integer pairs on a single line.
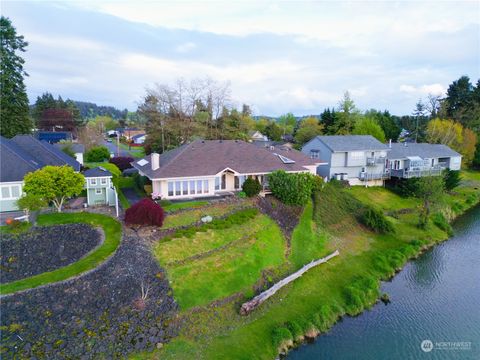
[[279, 56]]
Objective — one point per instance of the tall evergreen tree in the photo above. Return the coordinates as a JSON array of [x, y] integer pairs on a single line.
[[14, 111]]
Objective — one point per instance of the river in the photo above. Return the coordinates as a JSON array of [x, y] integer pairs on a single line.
[[435, 299]]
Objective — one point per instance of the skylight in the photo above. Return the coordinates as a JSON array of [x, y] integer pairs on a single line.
[[285, 160], [142, 162]]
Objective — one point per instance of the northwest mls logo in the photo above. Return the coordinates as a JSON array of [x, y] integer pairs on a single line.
[[427, 345]]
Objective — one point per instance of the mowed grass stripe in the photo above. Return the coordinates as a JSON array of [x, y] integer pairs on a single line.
[[113, 233]]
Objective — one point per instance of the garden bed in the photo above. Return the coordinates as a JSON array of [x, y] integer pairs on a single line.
[[98, 315], [43, 249]]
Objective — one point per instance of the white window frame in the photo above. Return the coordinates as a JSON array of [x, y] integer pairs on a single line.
[[103, 181], [93, 182], [357, 155], [10, 192], [98, 191]]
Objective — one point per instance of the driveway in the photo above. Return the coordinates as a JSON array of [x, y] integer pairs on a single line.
[[131, 195], [112, 147]]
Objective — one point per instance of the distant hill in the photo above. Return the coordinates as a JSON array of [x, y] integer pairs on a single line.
[[91, 110]]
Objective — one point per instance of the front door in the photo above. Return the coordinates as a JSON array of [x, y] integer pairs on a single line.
[[224, 182]]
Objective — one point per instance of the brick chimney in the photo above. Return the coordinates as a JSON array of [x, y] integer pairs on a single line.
[[155, 159]]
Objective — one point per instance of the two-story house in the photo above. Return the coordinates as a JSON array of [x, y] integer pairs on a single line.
[[99, 186], [407, 160], [359, 159]]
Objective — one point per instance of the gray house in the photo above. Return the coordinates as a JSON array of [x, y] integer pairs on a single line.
[[359, 159], [99, 185], [406, 160], [21, 155]]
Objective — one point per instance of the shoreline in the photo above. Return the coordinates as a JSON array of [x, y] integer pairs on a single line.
[[311, 336]]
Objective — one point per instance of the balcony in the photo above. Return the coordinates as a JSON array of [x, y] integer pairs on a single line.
[[417, 172], [373, 161], [365, 176]]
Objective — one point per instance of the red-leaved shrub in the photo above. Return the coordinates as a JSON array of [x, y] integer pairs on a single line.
[[145, 212], [122, 162]]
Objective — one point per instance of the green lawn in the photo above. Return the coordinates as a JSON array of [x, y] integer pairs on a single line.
[[184, 205], [308, 240], [347, 284], [226, 271], [194, 215], [113, 233], [134, 151]]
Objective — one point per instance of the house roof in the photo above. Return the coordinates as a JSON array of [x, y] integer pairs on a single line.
[[424, 150], [97, 172], [76, 147], [206, 158], [14, 161], [351, 142], [45, 153], [135, 137]]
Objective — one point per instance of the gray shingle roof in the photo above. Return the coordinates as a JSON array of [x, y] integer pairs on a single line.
[[205, 158], [424, 150], [14, 162], [352, 142], [24, 154], [96, 172], [45, 153]]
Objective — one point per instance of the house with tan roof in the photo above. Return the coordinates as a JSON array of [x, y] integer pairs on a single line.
[[205, 168]]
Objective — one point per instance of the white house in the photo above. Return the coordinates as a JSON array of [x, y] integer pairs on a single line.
[[216, 167]]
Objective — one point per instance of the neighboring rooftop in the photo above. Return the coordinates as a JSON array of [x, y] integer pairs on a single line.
[[206, 158], [352, 142], [23, 154], [424, 150], [97, 172], [76, 147]]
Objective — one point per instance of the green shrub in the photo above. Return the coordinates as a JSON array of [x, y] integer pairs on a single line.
[[292, 188], [376, 221], [251, 187], [442, 223], [362, 292], [241, 195], [294, 328], [97, 154], [452, 179]]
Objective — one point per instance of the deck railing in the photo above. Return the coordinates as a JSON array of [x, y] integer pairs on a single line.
[[411, 173]]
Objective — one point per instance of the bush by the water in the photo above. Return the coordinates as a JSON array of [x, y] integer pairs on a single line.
[[97, 154], [376, 221], [145, 212], [251, 187], [362, 292], [292, 188], [122, 162], [442, 223]]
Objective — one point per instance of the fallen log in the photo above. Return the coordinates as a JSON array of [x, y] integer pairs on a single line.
[[251, 305]]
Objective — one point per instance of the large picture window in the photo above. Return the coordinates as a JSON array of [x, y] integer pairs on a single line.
[[205, 187], [357, 155], [185, 188], [192, 187], [170, 188], [178, 188], [199, 186]]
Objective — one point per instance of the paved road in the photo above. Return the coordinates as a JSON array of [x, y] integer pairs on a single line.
[[112, 147], [131, 195]]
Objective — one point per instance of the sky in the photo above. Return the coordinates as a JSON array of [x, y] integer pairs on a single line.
[[278, 56]]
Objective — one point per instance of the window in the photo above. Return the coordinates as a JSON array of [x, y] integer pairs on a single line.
[[170, 188], [206, 190], [217, 183], [185, 188], [237, 182], [15, 191], [5, 192], [286, 160], [178, 188], [103, 181], [192, 187], [93, 181], [224, 182], [314, 154], [199, 186], [357, 155], [98, 191]]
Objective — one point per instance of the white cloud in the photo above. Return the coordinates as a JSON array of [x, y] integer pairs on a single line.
[[423, 90], [186, 47]]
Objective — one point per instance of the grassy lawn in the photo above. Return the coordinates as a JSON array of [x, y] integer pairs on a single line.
[[194, 215], [308, 240], [135, 151], [184, 205], [345, 285], [224, 272], [113, 233]]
